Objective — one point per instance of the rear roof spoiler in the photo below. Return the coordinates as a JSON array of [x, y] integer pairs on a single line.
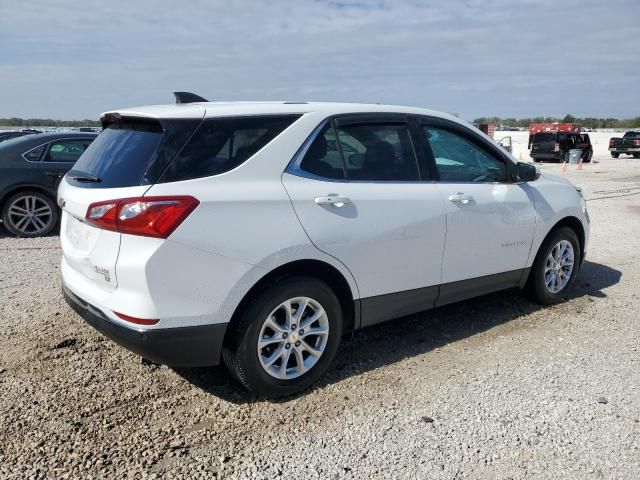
[[188, 97]]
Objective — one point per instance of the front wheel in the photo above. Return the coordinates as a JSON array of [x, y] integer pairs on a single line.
[[285, 338], [555, 267], [30, 214]]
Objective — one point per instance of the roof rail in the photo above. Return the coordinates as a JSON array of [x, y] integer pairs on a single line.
[[188, 97]]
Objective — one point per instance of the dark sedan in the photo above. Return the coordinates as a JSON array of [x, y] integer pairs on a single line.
[[31, 168]]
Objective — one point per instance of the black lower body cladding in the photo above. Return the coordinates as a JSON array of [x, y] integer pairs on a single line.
[[177, 347]]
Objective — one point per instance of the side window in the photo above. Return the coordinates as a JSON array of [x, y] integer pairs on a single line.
[[34, 154], [323, 157], [459, 160], [66, 150], [378, 152], [221, 144]]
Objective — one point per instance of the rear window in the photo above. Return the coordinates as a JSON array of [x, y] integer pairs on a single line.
[[119, 156], [222, 144], [132, 152], [544, 137]]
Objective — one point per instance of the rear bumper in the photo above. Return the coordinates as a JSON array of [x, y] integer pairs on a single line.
[[547, 156], [177, 347], [624, 149]]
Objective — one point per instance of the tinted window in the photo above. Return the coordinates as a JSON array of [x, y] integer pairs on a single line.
[[120, 154], [323, 157], [34, 154], [377, 152], [66, 150], [544, 137], [459, 160], [221, 144]]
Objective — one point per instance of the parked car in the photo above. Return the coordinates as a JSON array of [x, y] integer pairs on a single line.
[[30, 170], [260, 233], [13, 134], [555, 146], [629, 144]]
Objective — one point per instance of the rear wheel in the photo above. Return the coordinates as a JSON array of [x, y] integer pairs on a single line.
[[555, 267], [615, 154], [30, 214], [636, 155], [285, 338]]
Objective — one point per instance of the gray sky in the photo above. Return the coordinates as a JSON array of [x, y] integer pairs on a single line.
[[74, 59]]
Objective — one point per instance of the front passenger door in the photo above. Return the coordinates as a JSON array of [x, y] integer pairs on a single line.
[[490, 220], [358, 193]]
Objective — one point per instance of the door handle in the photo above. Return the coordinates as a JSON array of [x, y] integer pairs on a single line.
[[333, 200], [460, 198], [54, 174]]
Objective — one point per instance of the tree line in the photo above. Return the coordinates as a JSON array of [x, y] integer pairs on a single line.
[[589, 122], [47, 122]]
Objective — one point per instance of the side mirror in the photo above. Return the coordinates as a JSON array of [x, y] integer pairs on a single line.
[[527, 172]]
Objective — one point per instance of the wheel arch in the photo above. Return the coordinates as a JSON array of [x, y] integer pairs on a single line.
[[25, 188], [574, 224], [308, 268]]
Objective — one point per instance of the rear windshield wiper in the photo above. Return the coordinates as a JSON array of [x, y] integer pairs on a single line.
[[83, 177]]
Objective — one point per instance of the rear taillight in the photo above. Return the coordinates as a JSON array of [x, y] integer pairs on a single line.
[[611, 142], [147, 216], [636, 143], [557, 147]]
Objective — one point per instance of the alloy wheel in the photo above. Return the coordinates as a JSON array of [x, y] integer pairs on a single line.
[[293, 338], [30, 214], [559, 266]]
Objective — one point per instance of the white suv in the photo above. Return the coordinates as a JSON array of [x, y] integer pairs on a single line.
[[262, 232]]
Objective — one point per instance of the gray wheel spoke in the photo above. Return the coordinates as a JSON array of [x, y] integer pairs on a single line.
[[263, 342], [18, 210], [38, 223], [300, 366], [24, 221], [282, 373], [275, 356], [313, 351], [274, 326], [315, 331]]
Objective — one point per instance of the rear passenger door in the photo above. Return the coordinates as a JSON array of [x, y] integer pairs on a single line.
[[490, 220], [357, 189], [59, 156]]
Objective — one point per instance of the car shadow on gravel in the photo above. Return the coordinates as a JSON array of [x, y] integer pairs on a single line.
[[390, 342]]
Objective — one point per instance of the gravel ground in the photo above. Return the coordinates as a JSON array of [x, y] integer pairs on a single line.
[[495, 387]]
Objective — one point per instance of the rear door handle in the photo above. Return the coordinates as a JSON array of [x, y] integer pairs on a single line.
[[460, 198], [333, 200]]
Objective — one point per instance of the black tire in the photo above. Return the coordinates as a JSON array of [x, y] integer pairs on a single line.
[[240, 351], [636, 155], [536, 289], [615, 154], [45, 223]]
